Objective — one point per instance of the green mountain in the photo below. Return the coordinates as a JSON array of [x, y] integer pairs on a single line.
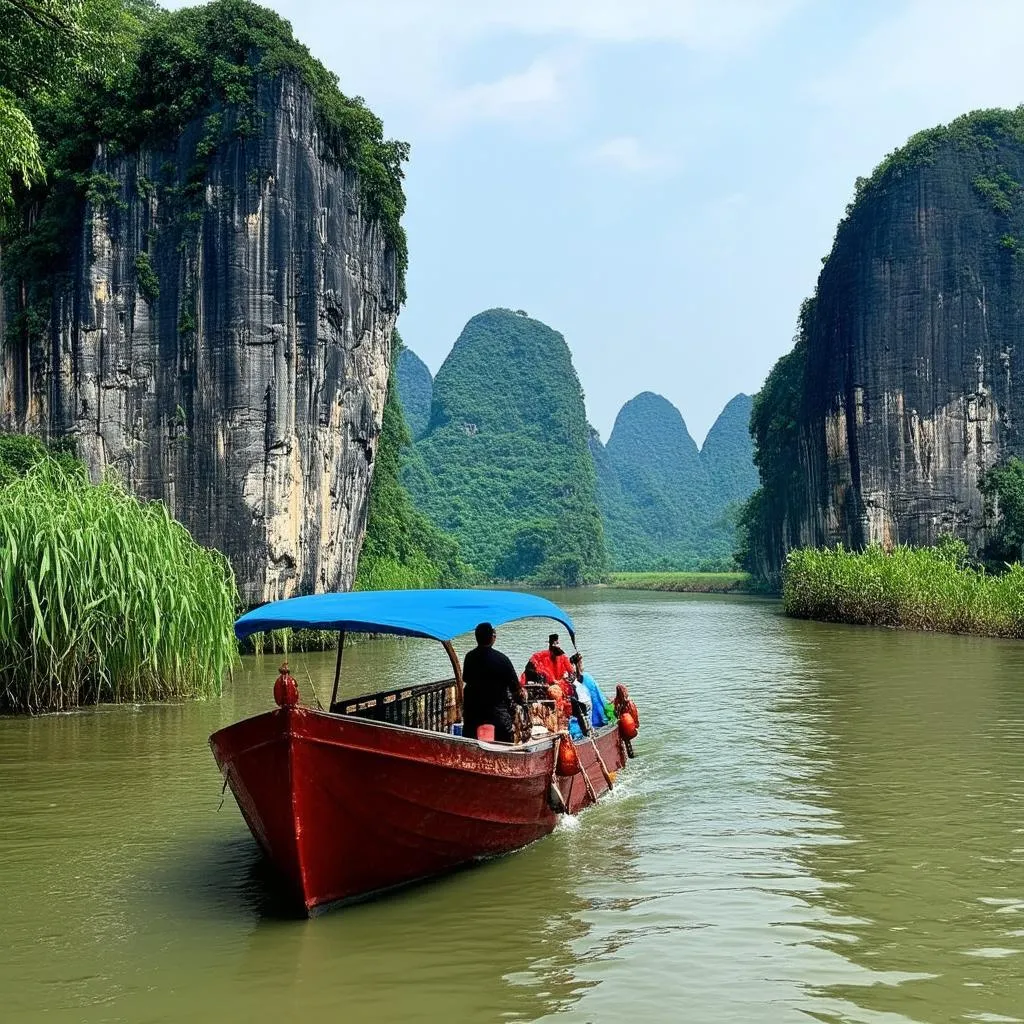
[[504, 465], [660, 474], [665, 504], [402, 548], [415, 389], [728, 453]]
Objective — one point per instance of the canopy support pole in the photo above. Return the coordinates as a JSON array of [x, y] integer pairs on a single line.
[[337, 668], [457, 668]]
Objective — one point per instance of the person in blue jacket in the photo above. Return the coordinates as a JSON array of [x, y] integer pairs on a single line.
[[585, 682]]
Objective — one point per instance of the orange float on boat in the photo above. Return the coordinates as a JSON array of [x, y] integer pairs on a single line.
[[568, 759]]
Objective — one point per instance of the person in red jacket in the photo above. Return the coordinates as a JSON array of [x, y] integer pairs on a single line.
[[554, 664]]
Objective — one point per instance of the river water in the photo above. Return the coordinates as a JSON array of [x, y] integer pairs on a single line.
[[823, 823]]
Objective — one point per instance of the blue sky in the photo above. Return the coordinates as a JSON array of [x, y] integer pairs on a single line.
[[656, 179]]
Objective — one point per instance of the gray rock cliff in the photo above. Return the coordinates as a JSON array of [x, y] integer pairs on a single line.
[[223, 342], [907, 382]]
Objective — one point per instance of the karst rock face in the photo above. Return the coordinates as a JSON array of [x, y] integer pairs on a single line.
[[915, 347], [238, 369]]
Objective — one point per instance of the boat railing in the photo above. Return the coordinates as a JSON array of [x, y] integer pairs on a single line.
[[430, 706]]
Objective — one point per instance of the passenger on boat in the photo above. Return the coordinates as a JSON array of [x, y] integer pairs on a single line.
[[533, 683], [490, 688], [559, 669], [588, 693], [552, 662]]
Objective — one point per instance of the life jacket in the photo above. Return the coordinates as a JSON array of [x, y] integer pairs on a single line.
[[554, 668]]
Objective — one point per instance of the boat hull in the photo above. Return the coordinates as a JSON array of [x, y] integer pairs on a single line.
[[346, 808]]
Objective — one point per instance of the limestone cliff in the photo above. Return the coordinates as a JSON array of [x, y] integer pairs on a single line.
[[222, 338], [906, 382]]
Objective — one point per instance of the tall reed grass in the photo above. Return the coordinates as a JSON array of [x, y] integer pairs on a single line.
[[908, 588], [104, 598]]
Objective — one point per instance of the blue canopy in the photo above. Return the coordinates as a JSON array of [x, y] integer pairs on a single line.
[[437, 614]]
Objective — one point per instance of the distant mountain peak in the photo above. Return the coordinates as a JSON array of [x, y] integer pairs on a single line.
[[664, 502], [504, 464], [415, 390]]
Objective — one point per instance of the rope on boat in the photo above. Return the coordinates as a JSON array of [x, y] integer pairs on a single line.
[[555, 799], [316, 696], [604, 768]]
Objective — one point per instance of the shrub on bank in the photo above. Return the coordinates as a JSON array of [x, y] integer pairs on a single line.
[[104, 598], [683, 582], [907, 588]]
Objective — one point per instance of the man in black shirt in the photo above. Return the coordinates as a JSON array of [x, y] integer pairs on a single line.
[[491, 687]]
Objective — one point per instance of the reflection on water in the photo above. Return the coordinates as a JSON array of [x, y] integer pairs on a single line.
[[924, 770], [823, 824]]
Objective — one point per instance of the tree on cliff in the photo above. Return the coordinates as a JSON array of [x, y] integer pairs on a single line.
[[47, 48], [1003, 489], [504, 464]]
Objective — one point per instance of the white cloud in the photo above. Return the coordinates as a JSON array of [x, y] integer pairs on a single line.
[[627, 153], [404, 55], [540, 86], [942, 53]]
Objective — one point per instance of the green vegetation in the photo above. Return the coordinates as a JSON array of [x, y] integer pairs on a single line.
[[195, 66], [504, 465], [667, 506], [21, 452], [980, 131], [402, 549], [683, 582], [416, 391], [1013, 244], [1000, 191], [658, 468], [727, 457], [103, 598], [907, 588], [149, 283], [775, 424], [46, 47], [1003, 490]]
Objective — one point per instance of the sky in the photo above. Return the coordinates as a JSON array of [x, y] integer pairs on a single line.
[[658, 180]]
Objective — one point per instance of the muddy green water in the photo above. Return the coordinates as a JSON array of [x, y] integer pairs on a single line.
[[824, 823]]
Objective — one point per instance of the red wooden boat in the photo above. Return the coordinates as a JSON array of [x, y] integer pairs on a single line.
[[377, 792]]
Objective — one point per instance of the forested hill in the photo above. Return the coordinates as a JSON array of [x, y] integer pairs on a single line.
[[415, 390], [664, 503], [504, 465], [727, 454]]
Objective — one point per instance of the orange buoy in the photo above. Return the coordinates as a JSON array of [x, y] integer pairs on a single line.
[[568, 759], [286, 690], [627, 726]]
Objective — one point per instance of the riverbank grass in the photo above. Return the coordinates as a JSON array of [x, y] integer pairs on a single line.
[[906, 588], [104, 598], [683, 582]]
